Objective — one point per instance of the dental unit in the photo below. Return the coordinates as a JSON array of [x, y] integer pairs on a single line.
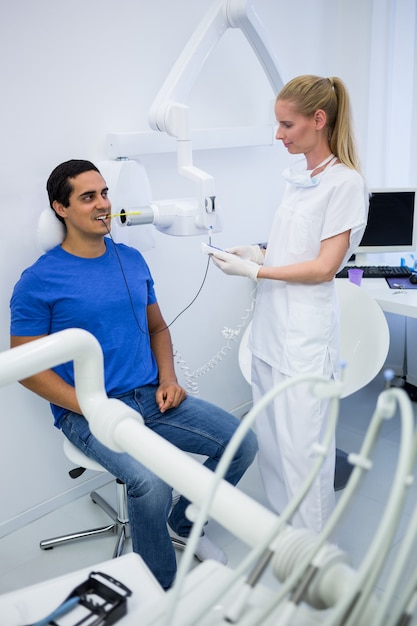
[[316, 583]]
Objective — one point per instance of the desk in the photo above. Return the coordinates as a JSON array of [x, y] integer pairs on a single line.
[[398, 301], [30, 604]]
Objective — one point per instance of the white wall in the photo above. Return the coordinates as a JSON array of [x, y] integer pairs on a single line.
[[72, 72]]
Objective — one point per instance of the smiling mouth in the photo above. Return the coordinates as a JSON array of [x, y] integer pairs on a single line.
[[103, 217]]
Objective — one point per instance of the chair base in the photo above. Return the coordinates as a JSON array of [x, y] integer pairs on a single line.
[[119, 527]]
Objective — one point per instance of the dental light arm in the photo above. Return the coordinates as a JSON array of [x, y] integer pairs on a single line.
[[169, 113], [242, 14], [81, 347]]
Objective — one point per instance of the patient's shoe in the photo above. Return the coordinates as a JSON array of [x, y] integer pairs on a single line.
[[205, 548]]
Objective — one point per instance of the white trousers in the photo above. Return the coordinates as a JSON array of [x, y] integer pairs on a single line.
[[287, 429]]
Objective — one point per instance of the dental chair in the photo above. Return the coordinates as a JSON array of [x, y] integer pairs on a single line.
[[364, 344]]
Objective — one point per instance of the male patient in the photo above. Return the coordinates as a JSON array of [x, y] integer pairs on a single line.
[[90, 282]]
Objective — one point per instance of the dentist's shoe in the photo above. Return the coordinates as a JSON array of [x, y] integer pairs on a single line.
[[205, 548]]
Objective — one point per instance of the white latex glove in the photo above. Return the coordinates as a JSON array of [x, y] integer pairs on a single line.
[[234, 265], [250, 253]]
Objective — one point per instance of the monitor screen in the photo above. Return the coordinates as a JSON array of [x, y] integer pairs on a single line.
[[392, 225]]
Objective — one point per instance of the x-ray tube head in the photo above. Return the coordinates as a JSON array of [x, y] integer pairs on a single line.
[[141, 215]]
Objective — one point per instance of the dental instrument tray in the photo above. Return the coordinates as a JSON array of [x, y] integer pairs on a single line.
[[99, 600]]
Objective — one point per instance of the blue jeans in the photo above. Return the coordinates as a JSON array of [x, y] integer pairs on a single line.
[[194, 426]]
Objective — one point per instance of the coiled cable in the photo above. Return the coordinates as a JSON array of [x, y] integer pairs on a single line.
[[231, 336]]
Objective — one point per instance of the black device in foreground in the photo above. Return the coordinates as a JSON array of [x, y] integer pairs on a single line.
[[100, 600]]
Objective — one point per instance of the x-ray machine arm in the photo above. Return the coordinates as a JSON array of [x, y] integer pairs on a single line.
[[170, 114]]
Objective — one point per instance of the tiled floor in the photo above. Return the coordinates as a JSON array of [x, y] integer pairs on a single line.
[[23, 563]]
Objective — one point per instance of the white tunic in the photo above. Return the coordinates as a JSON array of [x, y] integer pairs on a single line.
[[295, 325]]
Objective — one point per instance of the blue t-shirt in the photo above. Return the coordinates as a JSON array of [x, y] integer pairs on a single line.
[[106, 296]]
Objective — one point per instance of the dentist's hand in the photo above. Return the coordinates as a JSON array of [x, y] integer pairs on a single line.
[[234, 265], [250, 253]]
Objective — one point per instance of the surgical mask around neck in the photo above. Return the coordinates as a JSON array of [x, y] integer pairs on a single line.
[[300, 177]]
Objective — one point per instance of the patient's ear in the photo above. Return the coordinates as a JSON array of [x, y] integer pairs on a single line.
[[59, 208]]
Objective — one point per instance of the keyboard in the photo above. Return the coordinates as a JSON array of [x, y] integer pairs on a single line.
[[377, 271]]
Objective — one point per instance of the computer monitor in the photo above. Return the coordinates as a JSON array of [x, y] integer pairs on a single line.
[[392, 222]]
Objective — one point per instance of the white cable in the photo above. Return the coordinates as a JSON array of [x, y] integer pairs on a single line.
[[227, 457], [190, 384], [407, 597], [231, 335], [379, 549], [357, 597], [288, 585], [403, 556], [235, 610], [292, 580]]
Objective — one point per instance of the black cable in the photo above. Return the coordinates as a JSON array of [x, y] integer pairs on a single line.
[[131, 299]]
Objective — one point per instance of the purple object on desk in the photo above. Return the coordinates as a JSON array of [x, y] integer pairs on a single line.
[[355, 276]]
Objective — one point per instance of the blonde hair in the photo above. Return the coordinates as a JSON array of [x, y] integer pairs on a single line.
[[310, 93]]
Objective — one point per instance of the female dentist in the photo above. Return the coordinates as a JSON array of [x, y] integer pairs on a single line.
[[316, 228]]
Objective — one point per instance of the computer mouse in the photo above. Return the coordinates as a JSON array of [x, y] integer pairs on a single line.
[[413, 279]]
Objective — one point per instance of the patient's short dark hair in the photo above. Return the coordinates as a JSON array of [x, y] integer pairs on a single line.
[[59, 185]]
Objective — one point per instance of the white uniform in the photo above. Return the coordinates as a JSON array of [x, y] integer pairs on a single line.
[[295, 330]]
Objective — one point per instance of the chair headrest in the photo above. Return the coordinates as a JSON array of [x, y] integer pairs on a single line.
[[50, 231]]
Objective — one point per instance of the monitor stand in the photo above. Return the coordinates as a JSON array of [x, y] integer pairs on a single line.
[[361, 259]]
